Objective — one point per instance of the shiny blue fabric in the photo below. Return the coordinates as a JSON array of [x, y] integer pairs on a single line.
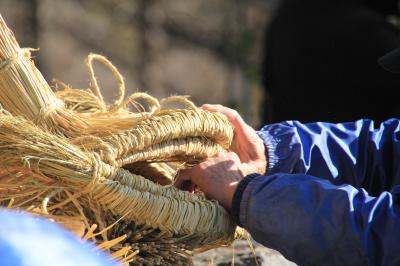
[[330, 195], [31, 241]]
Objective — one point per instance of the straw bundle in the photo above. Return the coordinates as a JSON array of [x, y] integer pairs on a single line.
[[26, 147], [26, 93], [20, 79], [86, 164]]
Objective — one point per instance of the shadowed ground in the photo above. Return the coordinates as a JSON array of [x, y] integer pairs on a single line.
[[243, 256]]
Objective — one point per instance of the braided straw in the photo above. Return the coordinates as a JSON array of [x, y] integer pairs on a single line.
[[160, 173], [87, 164], [191, 150], [129, 241], [25, 146], [163, 127]]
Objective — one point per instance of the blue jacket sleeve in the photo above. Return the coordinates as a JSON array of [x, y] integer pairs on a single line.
[[313, 222], [330, 196], [352, 153]]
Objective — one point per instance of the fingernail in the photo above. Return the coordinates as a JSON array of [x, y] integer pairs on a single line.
[[208, 107]]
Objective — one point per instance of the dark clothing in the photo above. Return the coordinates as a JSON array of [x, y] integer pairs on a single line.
[[331, 195], [321, 61]]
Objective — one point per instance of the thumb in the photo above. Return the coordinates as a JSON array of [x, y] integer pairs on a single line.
[[183, 178], [246, 139], [242, 129], [233, 116]]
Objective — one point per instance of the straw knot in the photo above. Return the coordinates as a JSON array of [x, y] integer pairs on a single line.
[[44, 113], [77, 156], [100, 172], [20, 54]]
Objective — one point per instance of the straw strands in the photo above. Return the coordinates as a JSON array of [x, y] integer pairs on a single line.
[[25, 146], [105, 171]]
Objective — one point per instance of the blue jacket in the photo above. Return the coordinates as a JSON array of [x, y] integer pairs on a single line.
[[330, 195]]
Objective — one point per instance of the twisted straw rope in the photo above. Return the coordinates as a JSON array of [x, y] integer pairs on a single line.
[[160, 128], [190, 150], [165, 208], [159, 173], [42, 167]]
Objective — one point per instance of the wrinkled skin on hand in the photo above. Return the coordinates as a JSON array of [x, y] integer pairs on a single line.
[[219, 176]]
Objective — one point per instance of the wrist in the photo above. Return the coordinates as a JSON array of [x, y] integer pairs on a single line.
[[232, 184], [237, 196], [229, 192]]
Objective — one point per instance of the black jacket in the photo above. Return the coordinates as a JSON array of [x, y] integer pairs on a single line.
[[321, 61]]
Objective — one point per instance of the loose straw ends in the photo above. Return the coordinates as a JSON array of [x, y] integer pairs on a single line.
[[73, 158]]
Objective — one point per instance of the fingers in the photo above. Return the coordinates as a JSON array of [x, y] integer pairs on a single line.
[[201, 172], [246, 138], [232, 115], [188, 186], [182, 179]]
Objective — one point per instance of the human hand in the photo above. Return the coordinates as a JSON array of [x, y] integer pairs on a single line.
[[246, 143], [217, 177]]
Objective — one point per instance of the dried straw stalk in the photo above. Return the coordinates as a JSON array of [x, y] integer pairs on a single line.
[[53, 166], [68, 165], [25, 146], [25, 92]]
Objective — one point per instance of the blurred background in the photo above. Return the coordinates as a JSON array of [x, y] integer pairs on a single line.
[[210, 50], [272, 60]]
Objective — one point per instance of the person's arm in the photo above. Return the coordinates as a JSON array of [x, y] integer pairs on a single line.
[[313, 222], [309, 219], [354, 153]]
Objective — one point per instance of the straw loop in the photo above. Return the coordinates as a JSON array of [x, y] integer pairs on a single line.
[[73, 158], [94, 84]]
